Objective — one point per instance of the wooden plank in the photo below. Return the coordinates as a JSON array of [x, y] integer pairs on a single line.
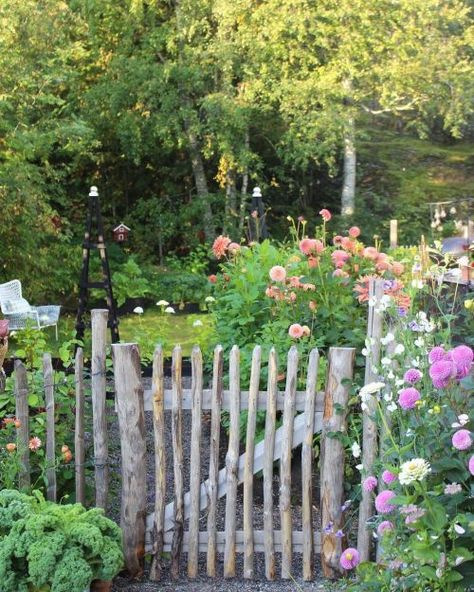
[[285, 463], [195, 464], [131, 418], [298, 437], [217, 386], [177, 441], [48, 384], [307, 458], [341, 363], [23, 432], [158, 388], [269, 455], [369, 427], [79, 445], [98, 383], [187, 402], [232, 463], [259, 544], [248, 464], [393, 234]]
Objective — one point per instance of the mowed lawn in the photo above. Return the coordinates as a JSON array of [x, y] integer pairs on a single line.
[[147, 330]]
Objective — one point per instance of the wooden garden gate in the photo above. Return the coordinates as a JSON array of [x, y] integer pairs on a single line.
[[175, 528]]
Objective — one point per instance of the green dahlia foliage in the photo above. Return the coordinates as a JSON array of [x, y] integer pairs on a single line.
[[423, 484], [50, 547]]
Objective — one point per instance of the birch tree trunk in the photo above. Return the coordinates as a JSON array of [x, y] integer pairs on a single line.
[[200, 179], [349, 182]]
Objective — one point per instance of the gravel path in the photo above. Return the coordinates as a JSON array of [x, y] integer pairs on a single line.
[[204, 584]]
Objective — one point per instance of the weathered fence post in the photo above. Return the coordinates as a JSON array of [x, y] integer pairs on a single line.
[[393, 234], [131, 416], [50, 427], [232, 463], [217, 388], [79, 449], [21, 395], [248, 467], [336, 396], [158, 393], [285, 464], [177, 441], [369, 428], [307, 454], [195, 464], [99, 413]]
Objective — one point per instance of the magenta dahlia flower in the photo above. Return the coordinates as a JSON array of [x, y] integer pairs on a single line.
[[388, 477], [412, 376], [436, 354], [350, 558], [462, 439], [370, 483], [408, 398], [384, 527], [471, 465], [441, 373], [462, 357], [382, 502]]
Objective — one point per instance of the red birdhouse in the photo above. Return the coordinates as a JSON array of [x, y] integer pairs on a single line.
[[121, 233]]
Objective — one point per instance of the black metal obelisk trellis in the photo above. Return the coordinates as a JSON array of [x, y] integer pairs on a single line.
[[94, 229]]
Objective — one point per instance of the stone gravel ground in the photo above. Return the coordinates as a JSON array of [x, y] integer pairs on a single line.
[[204, 584]]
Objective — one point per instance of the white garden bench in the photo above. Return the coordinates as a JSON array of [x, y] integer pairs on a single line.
[[21, 314]]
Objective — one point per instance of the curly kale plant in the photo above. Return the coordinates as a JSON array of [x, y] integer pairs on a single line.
[[57, 548]]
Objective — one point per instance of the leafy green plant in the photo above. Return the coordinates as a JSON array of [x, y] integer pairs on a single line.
[[57, 548], [130, 282]]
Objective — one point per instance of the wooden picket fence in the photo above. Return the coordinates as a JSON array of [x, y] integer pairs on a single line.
[[175, 529]]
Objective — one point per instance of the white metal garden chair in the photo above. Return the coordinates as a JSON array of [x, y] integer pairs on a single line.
[[21, 314]]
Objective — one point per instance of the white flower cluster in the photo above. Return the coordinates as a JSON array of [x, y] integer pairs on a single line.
[[367, 391], [414, 470], [423, 324]]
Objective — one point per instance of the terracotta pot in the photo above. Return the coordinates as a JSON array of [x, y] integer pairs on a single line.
[[101, 586]]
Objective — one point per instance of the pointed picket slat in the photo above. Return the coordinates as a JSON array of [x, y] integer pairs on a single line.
[[79, 444], [50, 427], [285, 464], [158, 388], [195, 464], [307, 460], [177, 441], [217, 387], [232, 463], [248, 466]]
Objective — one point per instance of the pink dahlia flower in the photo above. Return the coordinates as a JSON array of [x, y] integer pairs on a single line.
[[462, 439], [347, 243], [318, 246], [277, 273], [325, 215], [337, 240], [370, 483], [350, 558], [413, 375], [233, 248], [408, 398], [471, 465], [397, 268], [354, 231], [34, 443], [339, 257], [436, 354], [441, 373], [307, 246], [370, 253], [220, 246], [313, 262], [382, 502], [388, 477], [383, 527], [296, 331], [462, 357]]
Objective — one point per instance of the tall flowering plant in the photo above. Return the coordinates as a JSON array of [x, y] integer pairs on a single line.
[[423, 488], [309, 291]]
